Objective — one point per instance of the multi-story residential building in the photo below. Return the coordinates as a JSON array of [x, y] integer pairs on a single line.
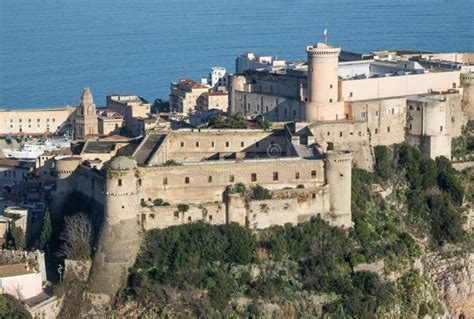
[[133, 108], [110, 122], [184, 95], [213, 100]]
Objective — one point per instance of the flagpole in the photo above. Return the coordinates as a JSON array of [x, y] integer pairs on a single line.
[[325, 34]]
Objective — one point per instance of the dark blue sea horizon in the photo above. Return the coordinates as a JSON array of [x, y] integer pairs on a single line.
[[51, 49]]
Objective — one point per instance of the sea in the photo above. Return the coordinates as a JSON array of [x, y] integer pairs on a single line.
[[51, 49]]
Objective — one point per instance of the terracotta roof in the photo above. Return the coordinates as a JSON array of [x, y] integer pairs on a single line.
[[191, 84], [15, 270]]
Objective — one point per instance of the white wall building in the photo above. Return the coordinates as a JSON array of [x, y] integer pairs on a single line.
[[20, 280]]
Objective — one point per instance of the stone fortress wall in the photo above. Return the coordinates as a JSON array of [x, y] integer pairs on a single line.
[[375, 110], [301, 188]]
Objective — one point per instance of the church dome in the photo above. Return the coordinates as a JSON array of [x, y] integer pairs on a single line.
[[122, 163]]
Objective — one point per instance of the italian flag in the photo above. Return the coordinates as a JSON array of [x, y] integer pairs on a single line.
[[325, 34]]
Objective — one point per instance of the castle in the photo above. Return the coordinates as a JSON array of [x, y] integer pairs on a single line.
[[359, 104], [183, 176]]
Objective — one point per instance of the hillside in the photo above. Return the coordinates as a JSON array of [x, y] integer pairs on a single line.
[[408, 255]]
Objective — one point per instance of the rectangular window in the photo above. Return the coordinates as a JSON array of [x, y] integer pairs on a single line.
[[257, 144], [297, 175], [388, 129], [275, 176], [340, 134], [212, 144], [186, 180], [313, 174], [165, 180], [197, 144], [227, 144], [140, 182], [182, 144], [209, 179], [242, 144], [253, 177], [176, 215], [231, 178], [119, 182], [351, 94], [440, 128]]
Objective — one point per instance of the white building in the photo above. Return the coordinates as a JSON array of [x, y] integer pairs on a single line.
[[251, 61], [218, 78], [20, 280]]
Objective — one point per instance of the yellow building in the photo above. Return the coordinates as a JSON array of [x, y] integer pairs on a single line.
[[110, 122], [184, 95], [35, 121], [213, 100], [133, 108]]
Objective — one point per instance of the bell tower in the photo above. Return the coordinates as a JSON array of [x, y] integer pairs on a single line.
[[86, 118]]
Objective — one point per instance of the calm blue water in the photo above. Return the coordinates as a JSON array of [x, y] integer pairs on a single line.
[[51, 49]]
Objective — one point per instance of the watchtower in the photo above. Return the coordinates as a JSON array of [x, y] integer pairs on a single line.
[[121, 234], [467, 82], [339, 177], [323, 84]]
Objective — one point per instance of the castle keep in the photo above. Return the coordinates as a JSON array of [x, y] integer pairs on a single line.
[[195, 170], [328, 118]]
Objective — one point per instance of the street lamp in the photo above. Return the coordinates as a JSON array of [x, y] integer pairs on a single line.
[[60, 271]]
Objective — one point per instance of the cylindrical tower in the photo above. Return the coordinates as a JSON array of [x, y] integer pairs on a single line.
[[467, 82], [121, 235], [339, 178], [323, 80], [64, 166], [323, 62]]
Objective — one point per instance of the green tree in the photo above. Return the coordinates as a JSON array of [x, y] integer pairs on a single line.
[[383, 162], [12, 308], [18, 236], [260, 193], [46, 231]]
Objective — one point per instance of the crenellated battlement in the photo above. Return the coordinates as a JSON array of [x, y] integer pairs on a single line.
[[322, 50]]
